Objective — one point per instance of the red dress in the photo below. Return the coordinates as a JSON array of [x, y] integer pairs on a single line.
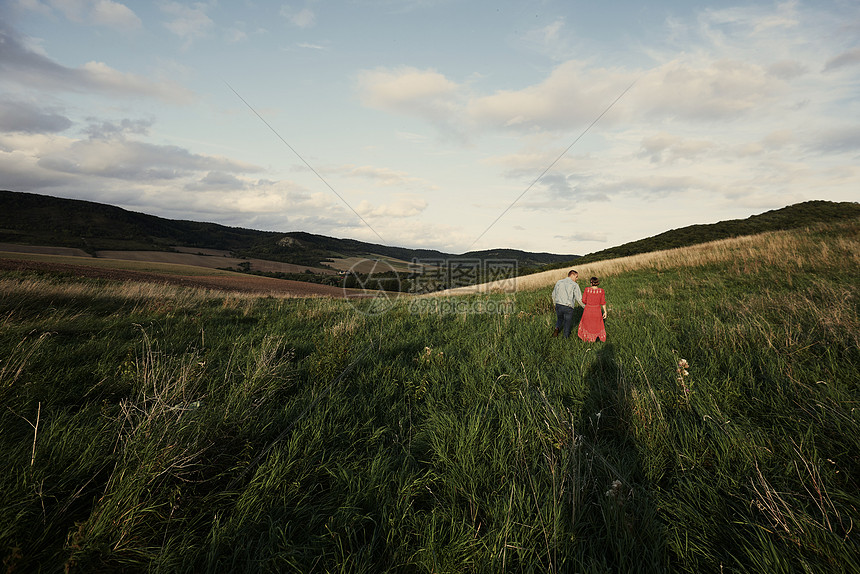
[[591, 326]]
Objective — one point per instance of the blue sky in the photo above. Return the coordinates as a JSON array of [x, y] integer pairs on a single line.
[[429, 123]]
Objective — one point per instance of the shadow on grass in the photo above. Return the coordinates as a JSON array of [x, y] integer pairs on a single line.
[[622, 512]]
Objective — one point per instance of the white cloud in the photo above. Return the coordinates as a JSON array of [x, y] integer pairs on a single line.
[[93, 12], [722, 25], [100, 76], [235, 35], [670, 148], [383, 176], [300, 17], [114, 158], [584, 236], [426, 94], [22, 65], [572, 96], [405, 88], [189, 22], [706, 91], [402, 206], [114, 15], [552, 40]]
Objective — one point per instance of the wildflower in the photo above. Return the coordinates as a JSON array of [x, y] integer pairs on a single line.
[[614, 489], [682, 373]]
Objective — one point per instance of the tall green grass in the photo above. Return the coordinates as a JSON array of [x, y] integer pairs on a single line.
[[160, 429]]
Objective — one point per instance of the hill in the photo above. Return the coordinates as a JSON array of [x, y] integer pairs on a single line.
[[794, 216], [43, 220], [155, 428]]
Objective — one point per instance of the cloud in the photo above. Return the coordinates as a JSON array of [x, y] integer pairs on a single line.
[[218, 180], [749, 21], [167, 181], [47, 160], [19, 167], [28, 68], [93, 12], [411, 232], [109, 129], [571, 96], [114, 15], [402, 206], [565, 191], [235, 35], [426, 94], [778, 139], [188, 22], [383, 176], [584, 236], [134, 161], [20, 116], [299, 17], [308, 46], [837, 140], [664, 146], [717, 90], [787, 69], [659, 185], [551, 40], [845, 59]]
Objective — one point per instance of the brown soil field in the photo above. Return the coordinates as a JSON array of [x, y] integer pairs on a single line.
[[222, 282], [208, 258], [211, 261], [44, 250]]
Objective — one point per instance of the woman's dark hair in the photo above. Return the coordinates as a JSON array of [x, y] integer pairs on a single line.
[[595, 281]]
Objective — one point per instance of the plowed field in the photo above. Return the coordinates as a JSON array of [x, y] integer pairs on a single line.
[[237, 282]]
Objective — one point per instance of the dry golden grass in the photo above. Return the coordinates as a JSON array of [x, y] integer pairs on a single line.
[[44, 287], [140, 292], [790, 251]]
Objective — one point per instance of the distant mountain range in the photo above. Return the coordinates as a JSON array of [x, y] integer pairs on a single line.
[[33, 219]]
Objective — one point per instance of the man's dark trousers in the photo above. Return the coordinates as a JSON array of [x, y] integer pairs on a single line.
[[564, 318]]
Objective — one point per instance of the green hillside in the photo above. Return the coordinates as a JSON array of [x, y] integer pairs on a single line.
[[792, 217], [42, 220]]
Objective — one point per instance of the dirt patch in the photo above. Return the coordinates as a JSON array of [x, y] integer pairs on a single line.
[[211, 261], [44, 250], [244, 284]]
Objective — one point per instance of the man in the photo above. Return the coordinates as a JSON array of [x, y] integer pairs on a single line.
[[565, 295]]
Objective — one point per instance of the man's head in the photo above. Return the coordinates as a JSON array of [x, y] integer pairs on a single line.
[[572, 274]]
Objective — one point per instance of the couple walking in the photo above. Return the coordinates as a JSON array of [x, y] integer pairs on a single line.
[[566, 294]]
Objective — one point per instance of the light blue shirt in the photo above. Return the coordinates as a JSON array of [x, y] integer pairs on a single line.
[[567, 292]]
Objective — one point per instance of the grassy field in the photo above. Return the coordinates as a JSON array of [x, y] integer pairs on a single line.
[[158, 428]]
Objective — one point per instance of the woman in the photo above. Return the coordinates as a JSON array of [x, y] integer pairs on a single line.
[[591, 326]]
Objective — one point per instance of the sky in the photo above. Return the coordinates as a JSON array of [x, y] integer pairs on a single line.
[[559, 126]]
